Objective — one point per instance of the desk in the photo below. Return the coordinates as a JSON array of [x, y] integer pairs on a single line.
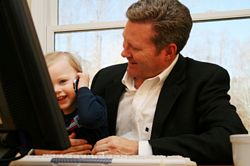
[[214, 165]]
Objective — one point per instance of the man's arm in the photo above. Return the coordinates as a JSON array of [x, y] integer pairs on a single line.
[[216, 119]]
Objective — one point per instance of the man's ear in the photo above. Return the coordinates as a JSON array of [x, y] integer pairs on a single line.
[[170, 51]]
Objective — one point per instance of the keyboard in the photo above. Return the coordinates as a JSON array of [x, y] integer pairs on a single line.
[[102, 160]]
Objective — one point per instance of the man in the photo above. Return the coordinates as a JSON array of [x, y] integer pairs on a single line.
[[160, 102]]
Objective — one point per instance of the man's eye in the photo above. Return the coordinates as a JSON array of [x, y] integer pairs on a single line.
[[135, 49]]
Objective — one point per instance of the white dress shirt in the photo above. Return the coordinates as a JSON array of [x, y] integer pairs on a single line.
[[137, 107]]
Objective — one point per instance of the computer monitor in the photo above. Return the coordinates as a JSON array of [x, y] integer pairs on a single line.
[[29, 113]]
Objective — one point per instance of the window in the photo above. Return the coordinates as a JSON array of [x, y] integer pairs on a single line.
[[93, 30]]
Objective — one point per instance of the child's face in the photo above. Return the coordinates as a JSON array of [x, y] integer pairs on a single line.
[[62, 75]]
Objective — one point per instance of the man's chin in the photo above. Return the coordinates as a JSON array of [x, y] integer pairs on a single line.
[[132, 74], [132, 70]]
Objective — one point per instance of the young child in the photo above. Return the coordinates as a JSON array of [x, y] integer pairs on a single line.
[[84, 114]]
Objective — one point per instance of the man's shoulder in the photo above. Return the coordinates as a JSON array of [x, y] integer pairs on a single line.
[[199, 70], [202, 65], [110, 73], [118, 69]]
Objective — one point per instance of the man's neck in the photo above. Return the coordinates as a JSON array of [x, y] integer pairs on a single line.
[[138, 82]]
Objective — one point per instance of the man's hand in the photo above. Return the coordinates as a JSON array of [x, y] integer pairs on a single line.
[[116, 145]]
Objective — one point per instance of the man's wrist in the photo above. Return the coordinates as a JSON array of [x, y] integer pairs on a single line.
[[144, 148]]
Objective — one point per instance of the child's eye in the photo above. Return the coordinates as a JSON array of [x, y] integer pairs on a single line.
[[62, 82]]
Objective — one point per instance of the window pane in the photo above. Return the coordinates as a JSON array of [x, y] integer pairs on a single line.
[[97, 48], [225, 43], [87, 11], [201, 6]]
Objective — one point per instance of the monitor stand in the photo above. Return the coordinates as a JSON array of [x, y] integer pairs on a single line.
[[6, 156], [7, 153]]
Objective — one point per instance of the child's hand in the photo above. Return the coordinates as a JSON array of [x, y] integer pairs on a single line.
[[78, 146], [83, 80]]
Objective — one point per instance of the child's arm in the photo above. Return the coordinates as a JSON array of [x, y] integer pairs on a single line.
[[91, 109]]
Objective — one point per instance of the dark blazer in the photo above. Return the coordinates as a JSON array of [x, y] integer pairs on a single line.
[[193, 116]]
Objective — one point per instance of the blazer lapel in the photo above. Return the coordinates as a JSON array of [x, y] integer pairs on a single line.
[[172, 88], [114, 92]]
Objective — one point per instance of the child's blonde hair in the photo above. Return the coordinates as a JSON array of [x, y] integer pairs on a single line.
[[52, 57]]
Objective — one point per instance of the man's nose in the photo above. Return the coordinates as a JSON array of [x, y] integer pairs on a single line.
[[125, 53]]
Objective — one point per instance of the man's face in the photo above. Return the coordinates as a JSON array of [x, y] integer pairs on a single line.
[[143, 59]]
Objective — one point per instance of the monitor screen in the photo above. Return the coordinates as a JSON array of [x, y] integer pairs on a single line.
[[28, 105]]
